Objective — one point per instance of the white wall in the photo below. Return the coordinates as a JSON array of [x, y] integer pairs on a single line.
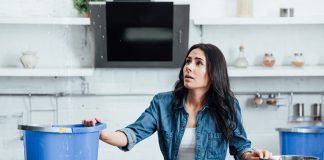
[[65, 46]]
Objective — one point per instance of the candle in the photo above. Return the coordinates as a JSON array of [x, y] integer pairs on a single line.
[[244, 8]]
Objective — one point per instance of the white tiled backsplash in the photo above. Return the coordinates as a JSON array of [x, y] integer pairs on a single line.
[[118, 111]]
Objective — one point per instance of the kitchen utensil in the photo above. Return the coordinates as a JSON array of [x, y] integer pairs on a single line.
[[317, 111], [299, 110], [258, 99], [293, 157], [272, 99]]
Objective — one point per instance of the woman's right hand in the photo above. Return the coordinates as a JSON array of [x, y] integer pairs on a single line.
[[91, 122], [116, 138]]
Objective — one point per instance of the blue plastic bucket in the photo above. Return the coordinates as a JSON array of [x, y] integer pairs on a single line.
[[307, 141], [61, 142]]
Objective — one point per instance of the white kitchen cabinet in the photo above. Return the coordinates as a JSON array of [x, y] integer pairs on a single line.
[[265, 23], [46, 71]]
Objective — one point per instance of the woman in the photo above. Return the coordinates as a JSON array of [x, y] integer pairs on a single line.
[[200, 119]]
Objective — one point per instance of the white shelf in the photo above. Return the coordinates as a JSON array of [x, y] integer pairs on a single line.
[[46, 20], [277, 71], [259, 21], [251, 71], [46, 72]]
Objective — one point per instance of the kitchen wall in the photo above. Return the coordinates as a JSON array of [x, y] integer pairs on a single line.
[[129, 91]]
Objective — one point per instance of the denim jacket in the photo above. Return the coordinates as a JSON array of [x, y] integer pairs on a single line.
[[209, 144]]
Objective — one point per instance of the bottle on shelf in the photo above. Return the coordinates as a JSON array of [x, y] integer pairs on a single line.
[[268, 60], [244, 8], [298, 60], [241, 61]]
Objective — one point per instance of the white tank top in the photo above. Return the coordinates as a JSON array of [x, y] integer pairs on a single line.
[[187, 150]]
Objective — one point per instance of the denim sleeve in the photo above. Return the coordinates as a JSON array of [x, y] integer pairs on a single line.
[[239, 143], [143, 127]]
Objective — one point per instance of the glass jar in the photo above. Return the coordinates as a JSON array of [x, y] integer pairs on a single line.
[[298, 60], [268, 60], [241, 61]]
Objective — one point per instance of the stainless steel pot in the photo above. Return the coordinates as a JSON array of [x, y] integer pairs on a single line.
[[293, 157]]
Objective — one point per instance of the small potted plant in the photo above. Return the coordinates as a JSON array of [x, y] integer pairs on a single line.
[[83, 6]]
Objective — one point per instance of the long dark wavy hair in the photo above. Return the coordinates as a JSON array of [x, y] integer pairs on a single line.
[[220, 97]]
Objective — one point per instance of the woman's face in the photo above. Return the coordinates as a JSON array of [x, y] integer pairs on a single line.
[[195, 74]]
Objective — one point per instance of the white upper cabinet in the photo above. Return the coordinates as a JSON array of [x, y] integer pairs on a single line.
[[264, 31], [52, 29]]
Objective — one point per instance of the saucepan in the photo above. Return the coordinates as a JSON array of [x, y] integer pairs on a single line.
[[292, 157]]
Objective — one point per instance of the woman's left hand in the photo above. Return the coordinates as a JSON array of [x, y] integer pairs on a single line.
[[256, 155]]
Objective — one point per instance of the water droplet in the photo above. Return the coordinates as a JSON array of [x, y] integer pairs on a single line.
[[103, 36]]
